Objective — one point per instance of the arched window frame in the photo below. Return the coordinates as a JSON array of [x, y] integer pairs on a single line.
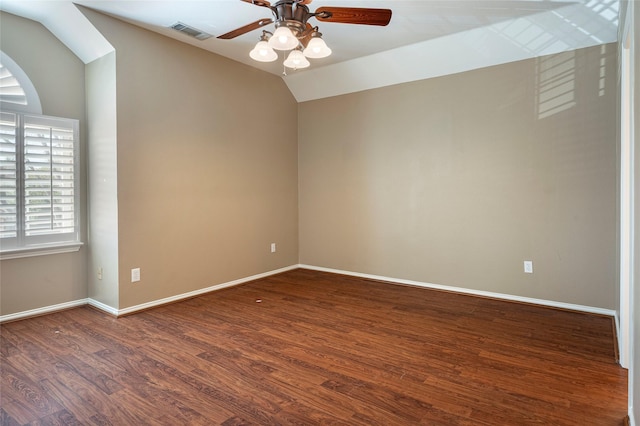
[[32, 104], [39, 167]]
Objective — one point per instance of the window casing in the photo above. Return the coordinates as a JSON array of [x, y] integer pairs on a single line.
[[39, 190]]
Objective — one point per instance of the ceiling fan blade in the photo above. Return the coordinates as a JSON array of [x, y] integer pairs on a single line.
[[354, 15], [263, 3], [249, 27]]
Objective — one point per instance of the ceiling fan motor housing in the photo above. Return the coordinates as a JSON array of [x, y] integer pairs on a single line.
[[293, 32], [293, 15]]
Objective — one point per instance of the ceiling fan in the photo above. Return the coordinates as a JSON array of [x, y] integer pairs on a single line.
[[294, 32]]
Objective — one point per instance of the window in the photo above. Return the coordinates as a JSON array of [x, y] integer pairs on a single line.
[[39, 192], [17, 93]]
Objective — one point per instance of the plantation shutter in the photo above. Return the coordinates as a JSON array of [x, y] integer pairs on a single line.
[[50, 183], [39, 192], [8, 179]]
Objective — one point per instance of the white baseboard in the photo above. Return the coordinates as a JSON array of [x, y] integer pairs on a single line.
[[194, 293], [103, 307], [42, 311], [509, 297], [118, 312]]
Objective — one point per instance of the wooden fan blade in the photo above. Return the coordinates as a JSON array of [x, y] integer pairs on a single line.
[[354, 15], [249, 27], [262, 3]]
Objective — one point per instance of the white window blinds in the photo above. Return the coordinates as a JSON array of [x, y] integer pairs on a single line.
[[39, 178], [11, 91], [8, 176]]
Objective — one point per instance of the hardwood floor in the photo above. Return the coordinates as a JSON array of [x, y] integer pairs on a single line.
[[307, 348]]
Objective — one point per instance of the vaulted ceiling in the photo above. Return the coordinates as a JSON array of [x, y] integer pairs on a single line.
[[424, 38]]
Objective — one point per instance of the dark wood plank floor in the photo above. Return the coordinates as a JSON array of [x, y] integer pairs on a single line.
[[318, 349]]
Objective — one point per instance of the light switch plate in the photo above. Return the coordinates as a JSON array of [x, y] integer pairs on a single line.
[[135, 275]]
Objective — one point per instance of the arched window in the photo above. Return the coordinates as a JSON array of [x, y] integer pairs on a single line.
[[17, 93], [39, 185]]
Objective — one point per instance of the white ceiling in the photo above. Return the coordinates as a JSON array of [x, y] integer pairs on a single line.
[[424, 38]]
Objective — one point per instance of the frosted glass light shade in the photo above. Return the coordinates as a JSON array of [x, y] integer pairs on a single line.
[[317, 48], [296, 60], [263, 52], [283, 39]]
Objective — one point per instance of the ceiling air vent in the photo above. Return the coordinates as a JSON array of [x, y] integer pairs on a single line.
[[190, 31]]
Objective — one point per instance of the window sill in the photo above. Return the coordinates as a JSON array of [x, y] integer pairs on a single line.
[[40, 251]]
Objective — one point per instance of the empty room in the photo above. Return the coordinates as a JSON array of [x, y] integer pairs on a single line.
[[315, 212]]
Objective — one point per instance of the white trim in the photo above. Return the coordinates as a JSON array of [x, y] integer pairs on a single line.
[[40, 251], [626, 208], [42, 311], [501, 296], [176, 298], [101, 306], [627, 205], [143, 306], [119, 312]]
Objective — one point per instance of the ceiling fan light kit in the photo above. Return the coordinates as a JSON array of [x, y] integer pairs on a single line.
[[294, 33], [283, 39], [263, 52], [317, 48], [296, 60]]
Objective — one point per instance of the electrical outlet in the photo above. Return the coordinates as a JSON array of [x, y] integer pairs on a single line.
[[528, 267], [99, 273], [135, 275], [273, 247]]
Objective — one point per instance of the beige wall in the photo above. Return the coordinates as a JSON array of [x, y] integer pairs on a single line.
[[103, 181], [457, 180], [58, 76], [207, 166], [453, 181]]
